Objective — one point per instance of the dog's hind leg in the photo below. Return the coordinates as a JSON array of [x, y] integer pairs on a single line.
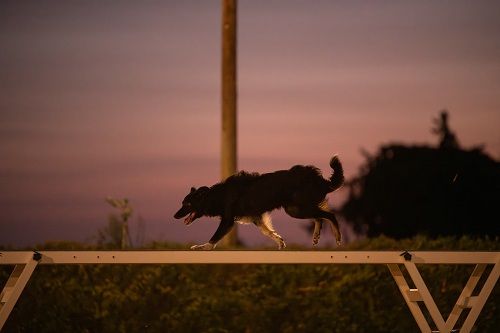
[[318, 223], [317, 213], [266, 227], [324, 211], [333, 223]]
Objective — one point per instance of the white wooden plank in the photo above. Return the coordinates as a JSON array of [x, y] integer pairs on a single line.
[[248, 257]]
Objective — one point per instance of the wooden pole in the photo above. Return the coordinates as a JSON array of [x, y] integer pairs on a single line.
[[229, 100]]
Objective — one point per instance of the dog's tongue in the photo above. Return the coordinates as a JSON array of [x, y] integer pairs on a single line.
[[190, 218]]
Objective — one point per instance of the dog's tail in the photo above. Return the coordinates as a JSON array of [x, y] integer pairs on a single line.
[[337, 177]]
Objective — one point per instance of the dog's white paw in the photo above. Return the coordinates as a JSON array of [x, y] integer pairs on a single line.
[[206, 247], [339, 243], [279, 240]]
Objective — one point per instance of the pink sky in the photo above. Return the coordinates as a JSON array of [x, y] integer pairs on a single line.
[[123, 99]]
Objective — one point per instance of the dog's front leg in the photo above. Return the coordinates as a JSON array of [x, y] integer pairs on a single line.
[[206, 246], [226, 224]]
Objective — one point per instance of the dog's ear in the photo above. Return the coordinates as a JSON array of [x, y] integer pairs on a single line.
[[200, 192], [193, 189]]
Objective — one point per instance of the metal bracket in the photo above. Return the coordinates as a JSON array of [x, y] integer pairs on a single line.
[[37, 256], [406, 255]]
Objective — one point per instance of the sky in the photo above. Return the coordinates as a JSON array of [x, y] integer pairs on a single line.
[[122, 99]]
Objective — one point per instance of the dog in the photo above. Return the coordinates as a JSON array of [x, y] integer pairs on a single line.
[[249, 197]]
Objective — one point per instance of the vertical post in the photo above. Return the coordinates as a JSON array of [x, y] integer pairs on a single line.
[[125, 241], [229, 99]]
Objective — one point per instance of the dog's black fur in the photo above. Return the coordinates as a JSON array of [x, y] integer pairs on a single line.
[[248, 197]]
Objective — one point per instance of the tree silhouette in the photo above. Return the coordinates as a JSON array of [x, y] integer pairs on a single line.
[[446, 136], [408, 190]]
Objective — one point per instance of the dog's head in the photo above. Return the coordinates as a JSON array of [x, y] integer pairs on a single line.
[[192, 205]]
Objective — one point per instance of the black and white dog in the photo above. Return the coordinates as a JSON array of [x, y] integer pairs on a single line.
[[249, 197]]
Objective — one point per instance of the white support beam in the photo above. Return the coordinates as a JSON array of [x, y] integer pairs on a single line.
[[414, 295], [412, 304], [15, 286], [249, 257], [426, 296], [464, 298], [480, 300]]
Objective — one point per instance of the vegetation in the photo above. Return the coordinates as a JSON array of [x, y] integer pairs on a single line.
[[238, 298], [403, 191]]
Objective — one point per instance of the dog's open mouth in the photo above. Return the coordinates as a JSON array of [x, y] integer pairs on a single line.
[[190, 218]]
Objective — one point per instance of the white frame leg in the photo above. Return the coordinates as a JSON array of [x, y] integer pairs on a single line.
[[411, 298], [479, 301], [464, 297], [465, 300], [14, 287], [426, 296]]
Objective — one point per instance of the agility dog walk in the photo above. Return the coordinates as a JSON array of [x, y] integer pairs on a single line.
[[249, 197]]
